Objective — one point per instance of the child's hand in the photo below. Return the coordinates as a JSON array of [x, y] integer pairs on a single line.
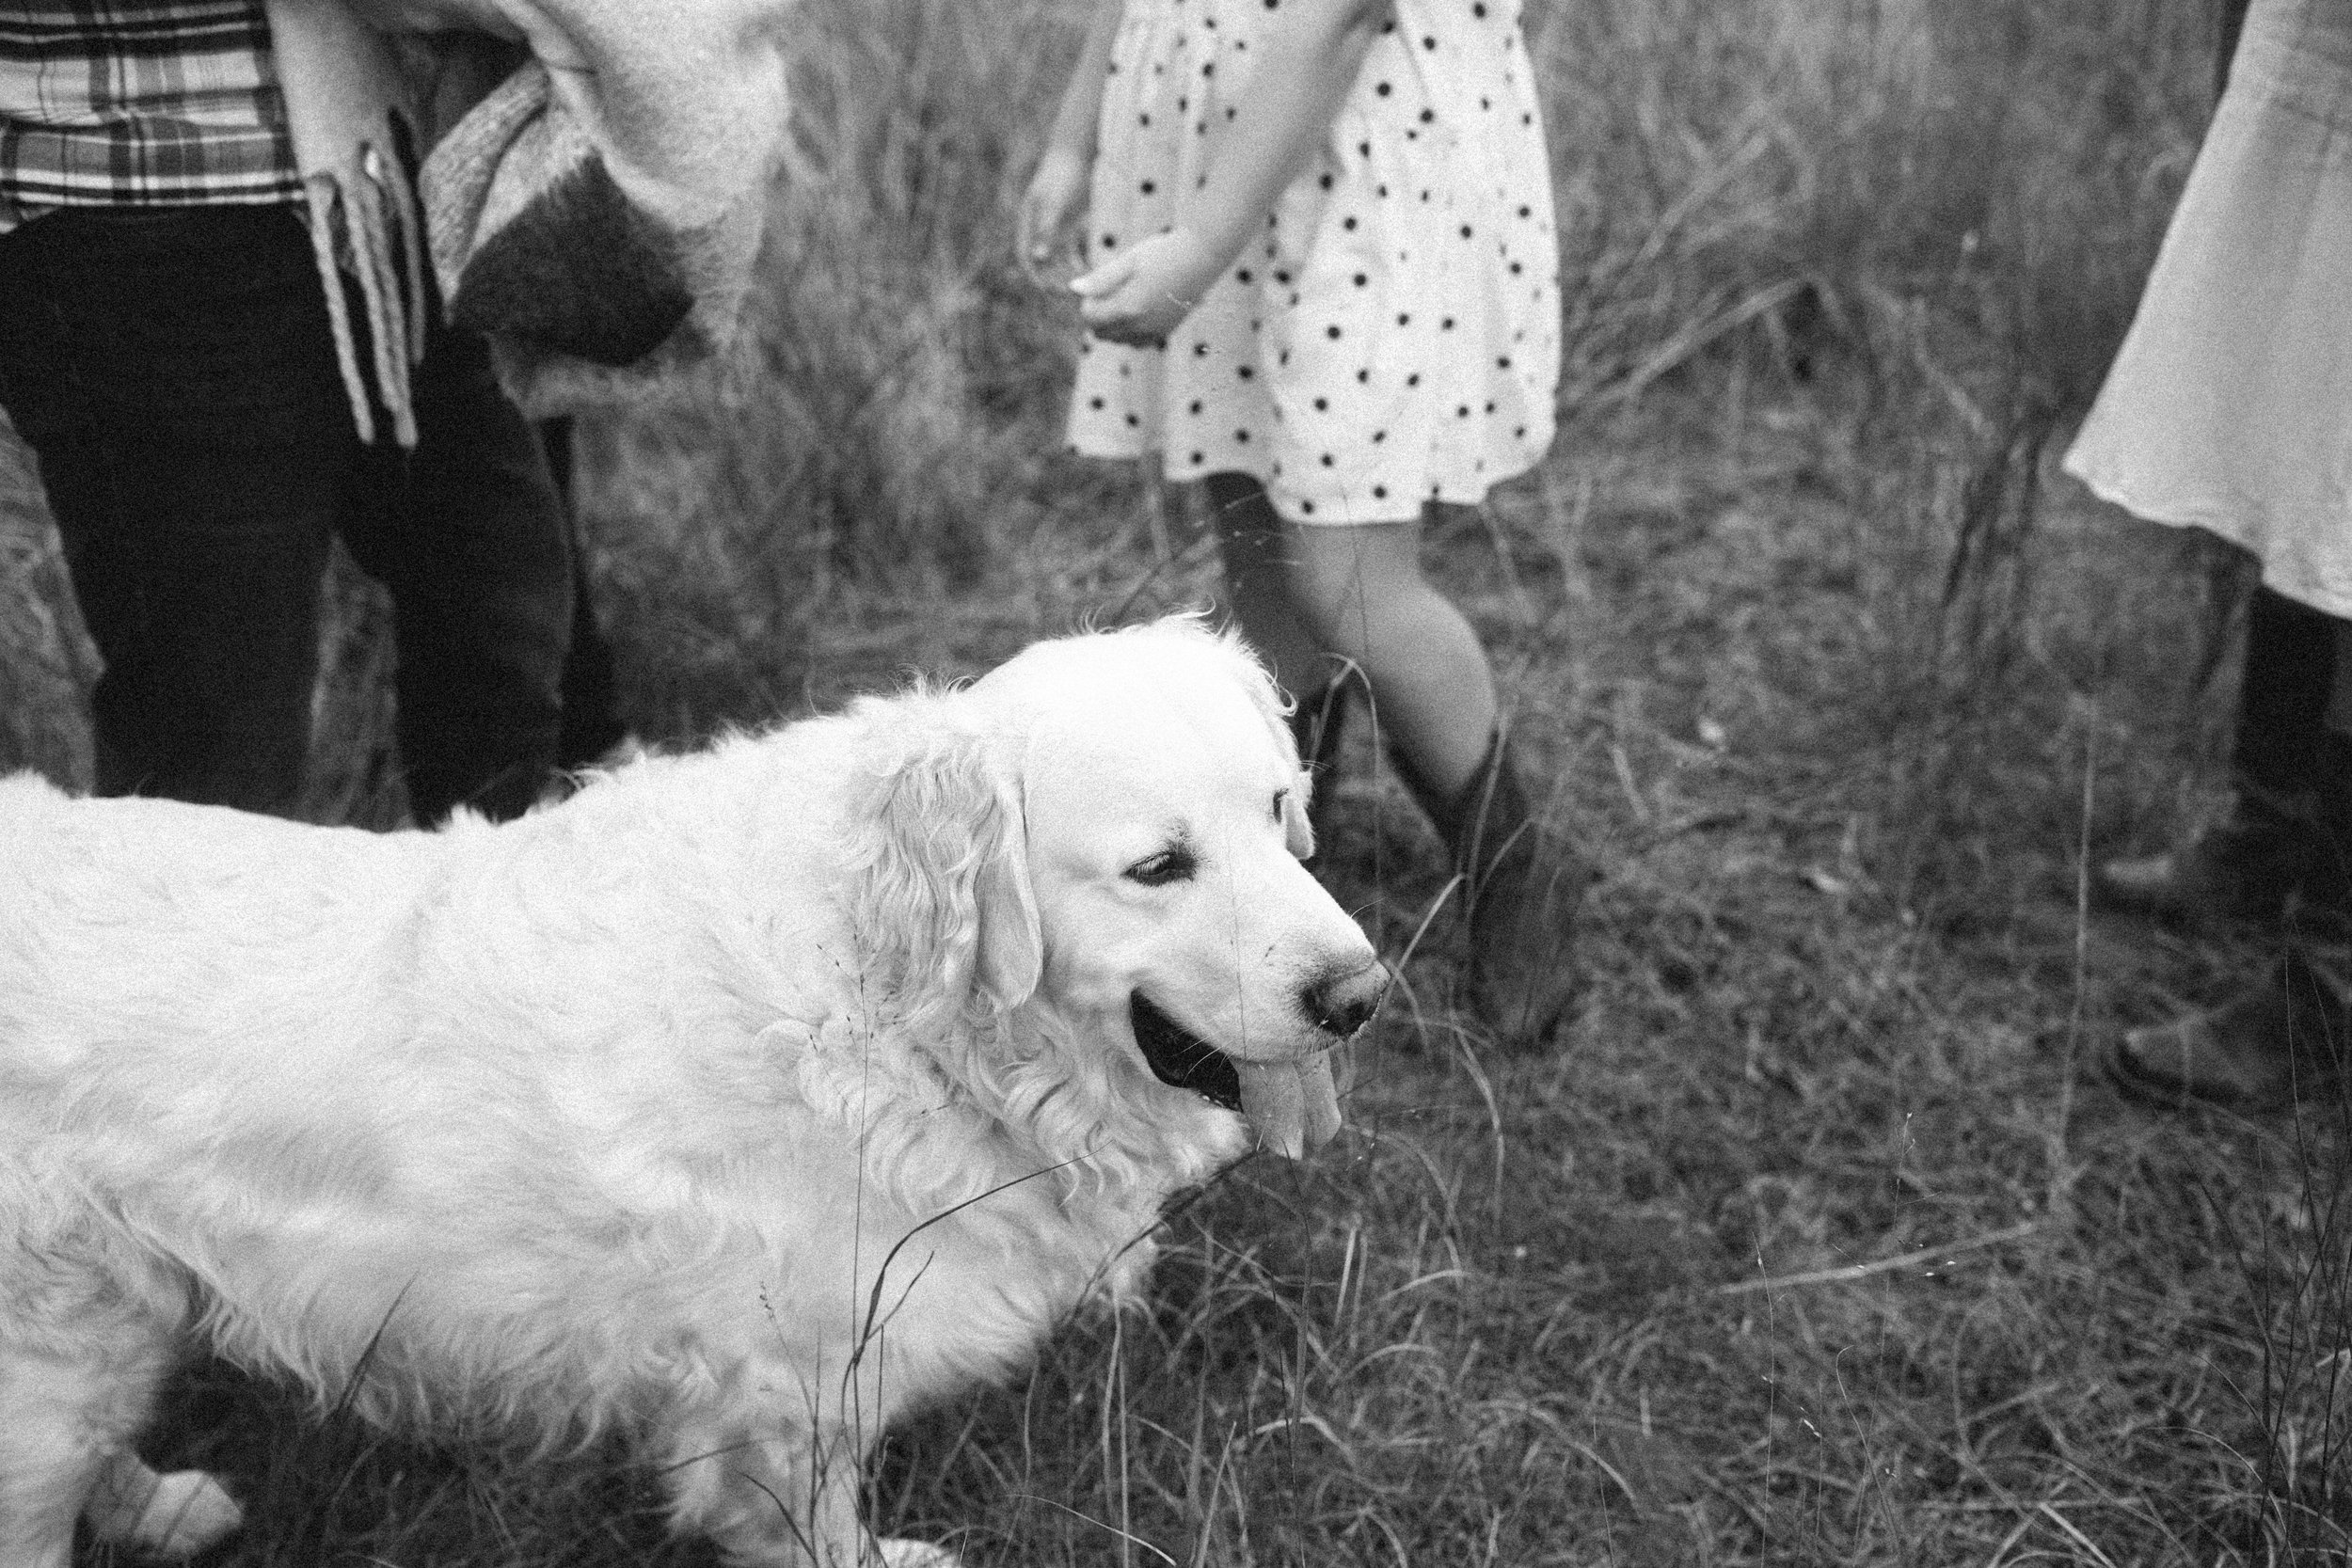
[[1138, 297], [1050, 211]]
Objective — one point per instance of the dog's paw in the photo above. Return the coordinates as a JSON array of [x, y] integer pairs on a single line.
[[174, 1516], [916, 1554]]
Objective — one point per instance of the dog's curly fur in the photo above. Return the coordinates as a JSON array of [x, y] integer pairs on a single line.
[[744, 1101]]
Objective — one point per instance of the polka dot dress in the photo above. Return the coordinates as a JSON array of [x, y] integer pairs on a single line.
[[1394, 338]]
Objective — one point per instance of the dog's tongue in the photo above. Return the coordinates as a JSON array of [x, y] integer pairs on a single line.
[[1292, 1105]]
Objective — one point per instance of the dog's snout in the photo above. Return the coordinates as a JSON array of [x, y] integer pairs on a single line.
[[1340, 1004]]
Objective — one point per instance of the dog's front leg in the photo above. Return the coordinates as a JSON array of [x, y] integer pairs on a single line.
[[770, 1499]]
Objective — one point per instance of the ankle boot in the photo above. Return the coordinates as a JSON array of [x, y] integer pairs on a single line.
[[2287, 835], [2282, 1041], [1521, 885], [2243, 866]]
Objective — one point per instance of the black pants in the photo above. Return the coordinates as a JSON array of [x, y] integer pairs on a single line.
[[591, 706], [173, 371], [2281, 745]]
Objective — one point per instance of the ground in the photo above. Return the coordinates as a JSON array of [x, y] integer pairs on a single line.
[[1818, 1235]]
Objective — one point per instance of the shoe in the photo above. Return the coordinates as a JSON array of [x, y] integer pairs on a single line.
[[1522, 885], [2284, 1042], [2245, 867]]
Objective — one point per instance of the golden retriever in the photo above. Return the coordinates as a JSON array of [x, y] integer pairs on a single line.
[[743, 1101]]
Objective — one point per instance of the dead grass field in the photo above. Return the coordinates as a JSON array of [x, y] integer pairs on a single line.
[[1814, 1239]]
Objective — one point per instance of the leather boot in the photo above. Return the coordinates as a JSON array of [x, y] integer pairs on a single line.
[[2282, 1043], [2245, 866], [2271, 851], [2287, 831], [1521, 884]]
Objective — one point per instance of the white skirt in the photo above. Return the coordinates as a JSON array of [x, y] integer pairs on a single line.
[[1394, 338], [2230, 405]]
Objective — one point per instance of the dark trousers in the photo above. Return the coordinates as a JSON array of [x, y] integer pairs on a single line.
[[173, 371], [591, 706], [2281, 747]]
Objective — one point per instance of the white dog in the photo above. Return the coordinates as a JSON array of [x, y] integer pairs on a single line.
[[744, 1101]]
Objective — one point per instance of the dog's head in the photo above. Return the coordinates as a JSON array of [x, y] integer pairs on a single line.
[[1103, 835]]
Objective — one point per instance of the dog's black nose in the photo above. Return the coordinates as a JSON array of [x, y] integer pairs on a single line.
[[1344, 1002]]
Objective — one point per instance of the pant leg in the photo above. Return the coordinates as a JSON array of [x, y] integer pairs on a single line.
[[2279, 749], [592, 713], [467, 534], [171, 369]]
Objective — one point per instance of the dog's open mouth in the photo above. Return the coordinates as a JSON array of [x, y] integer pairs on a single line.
[[1182, 1059]]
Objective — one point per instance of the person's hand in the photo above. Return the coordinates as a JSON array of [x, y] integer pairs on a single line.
[[1050, 211], [1139, 296]]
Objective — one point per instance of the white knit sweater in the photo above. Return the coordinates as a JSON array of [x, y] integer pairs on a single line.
[[593, 193]]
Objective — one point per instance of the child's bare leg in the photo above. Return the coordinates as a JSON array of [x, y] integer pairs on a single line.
[[1360, 589], [1257, 552]]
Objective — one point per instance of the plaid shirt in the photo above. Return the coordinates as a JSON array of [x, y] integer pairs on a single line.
[[134, 102]]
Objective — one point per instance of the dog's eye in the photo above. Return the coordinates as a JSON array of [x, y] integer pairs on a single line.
[[1280, 795], [1175, 864]]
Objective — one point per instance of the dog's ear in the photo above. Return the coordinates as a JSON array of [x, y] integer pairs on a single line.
[[944, 903], [1011, 959], [1298, 834]]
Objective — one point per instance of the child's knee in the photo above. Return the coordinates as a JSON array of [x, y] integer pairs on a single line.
[[1337, 575]]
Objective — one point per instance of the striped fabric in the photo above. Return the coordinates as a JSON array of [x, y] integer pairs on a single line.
[[115, 103]]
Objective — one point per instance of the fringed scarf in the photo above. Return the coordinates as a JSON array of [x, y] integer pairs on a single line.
[[347, 105], [596, 211]]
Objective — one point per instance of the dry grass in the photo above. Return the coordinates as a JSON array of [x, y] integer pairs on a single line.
[[1814, 1240]]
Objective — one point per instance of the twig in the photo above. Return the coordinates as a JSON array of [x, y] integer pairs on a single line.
[[1098, 1524], [2061, 1199], [1885, 1265]]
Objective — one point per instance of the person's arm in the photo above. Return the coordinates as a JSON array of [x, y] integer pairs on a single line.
[[1310, 59], [1058, 190]]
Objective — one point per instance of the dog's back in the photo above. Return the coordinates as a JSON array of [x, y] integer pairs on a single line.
[[136, 877], [289, 1077], [184, 991], [151, 943], [140, 941], [746, 1099], [494, 1099]]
